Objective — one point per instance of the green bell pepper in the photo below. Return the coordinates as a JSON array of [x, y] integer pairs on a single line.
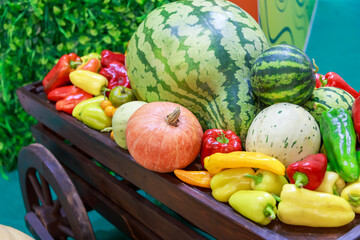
[[267, 181], [258, 206], [94, 116], [120, 95], [339, 137], [79, 107], [226, 182]]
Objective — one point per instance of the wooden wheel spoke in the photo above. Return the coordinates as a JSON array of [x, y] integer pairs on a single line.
[[66, 230], [56, 207], [36, 185], [46, 191]]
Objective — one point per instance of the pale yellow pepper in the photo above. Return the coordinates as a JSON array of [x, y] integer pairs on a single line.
[[303, 207], [351, 193], [219, 161], [229, 181], [90, 82], [332, 183]]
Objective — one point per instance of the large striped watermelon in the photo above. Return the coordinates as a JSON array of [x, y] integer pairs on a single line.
[[198, 54], [283, 73], [328, 97]]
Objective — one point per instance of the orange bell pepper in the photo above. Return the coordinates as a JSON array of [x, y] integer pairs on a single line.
[[93, 65], [196, 178]]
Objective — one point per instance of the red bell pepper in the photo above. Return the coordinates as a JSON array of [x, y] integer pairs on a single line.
[[218, 140], [108, 56], [92, 65], [334, 80], [61, 92], [309, 172], [68, 103], [116, 75], [59, 74], [319, 80], [356, 117]]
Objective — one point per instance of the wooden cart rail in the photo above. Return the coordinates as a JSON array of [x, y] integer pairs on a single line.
[[194, 204]]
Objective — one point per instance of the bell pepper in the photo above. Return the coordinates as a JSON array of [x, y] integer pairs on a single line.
[[219, 161], [309, 172], [87, 57], [61, 92], [319, 80], [196, 178], [68, 103], [93, 65], [356, 117], [94, 117], [228, 181], [88, 81], [332, 183], [116, 74], [303, 207], [267, 181], [351, 193], [59, 74], [79, 107], [108, 56], [218, 140], [334, 80], [120, 95], [338, 134], [258, 206]]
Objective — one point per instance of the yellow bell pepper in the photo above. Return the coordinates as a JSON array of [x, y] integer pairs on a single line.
[[303, 207], [267, 181], [258, 206], [89, 56], [226, 182], [332, 183], [219, 161], [351, 193], [89, 81]]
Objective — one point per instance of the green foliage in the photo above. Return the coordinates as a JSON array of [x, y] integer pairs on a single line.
[[35, 33]]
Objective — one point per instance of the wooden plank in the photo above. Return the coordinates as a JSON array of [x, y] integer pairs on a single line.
[[194, 204], [123, 195]]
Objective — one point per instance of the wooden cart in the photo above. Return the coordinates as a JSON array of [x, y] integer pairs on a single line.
[[61, 180]]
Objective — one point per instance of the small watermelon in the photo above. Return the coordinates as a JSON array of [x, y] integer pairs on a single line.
[[328, 97], [283, 73], [198, 53]]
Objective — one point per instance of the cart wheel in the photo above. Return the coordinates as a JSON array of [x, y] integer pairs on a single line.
[[49, 194]]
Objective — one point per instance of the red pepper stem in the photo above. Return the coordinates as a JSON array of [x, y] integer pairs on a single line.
[[269, 211], [257, 178], [222, 138], [354, 200], [301, 179], [75, 64]]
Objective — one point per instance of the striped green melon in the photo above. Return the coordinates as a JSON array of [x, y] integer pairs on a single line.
[[330, 97], [283, 73], [198, 54]]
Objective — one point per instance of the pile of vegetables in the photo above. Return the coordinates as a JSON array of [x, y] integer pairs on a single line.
[[297, 160]]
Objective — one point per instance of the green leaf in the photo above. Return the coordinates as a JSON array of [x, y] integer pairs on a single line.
[[84, 39], [107, 39], [28, 30]]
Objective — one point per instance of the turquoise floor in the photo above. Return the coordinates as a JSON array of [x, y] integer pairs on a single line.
[[333, 43]]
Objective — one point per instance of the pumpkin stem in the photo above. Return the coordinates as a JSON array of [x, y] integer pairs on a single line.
[[173, 118]]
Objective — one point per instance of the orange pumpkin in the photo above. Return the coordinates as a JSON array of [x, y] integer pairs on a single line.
[[163, 136]]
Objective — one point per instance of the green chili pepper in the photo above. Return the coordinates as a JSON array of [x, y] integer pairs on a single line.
[[258, 206], [339, 137], [80, 106]]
